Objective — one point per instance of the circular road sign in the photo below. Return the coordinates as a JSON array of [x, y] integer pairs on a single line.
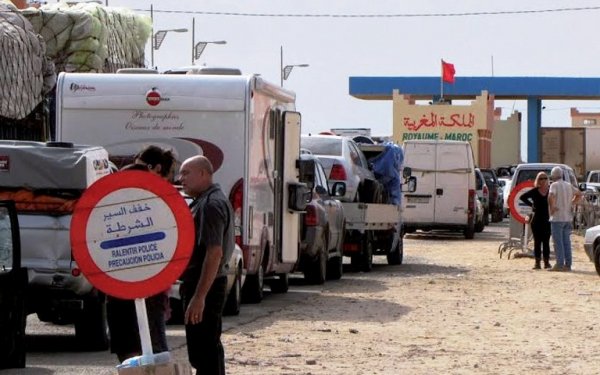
[[518, 210], [132, 234]]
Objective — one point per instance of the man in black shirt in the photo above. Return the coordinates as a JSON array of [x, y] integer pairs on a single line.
[[204, 281]]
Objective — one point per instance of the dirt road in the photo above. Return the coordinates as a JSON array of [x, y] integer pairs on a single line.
[[453, 307]]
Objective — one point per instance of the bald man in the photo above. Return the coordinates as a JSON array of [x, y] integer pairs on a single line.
[[204, 281]]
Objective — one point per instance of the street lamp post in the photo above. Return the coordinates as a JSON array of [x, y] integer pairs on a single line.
[[159, 37], [198, 48], [286, 70]]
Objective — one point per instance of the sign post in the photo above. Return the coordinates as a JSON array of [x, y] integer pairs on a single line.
[[519, 212], [132, 235]]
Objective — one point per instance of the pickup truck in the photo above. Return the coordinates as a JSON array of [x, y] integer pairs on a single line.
[[45, 180], [592, 178], [13, 281], [375, 227]]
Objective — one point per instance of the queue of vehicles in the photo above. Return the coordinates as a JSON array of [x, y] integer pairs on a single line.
[[249, 129], [301, 203]]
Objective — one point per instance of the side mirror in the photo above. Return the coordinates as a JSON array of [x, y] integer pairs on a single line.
[[297, 196], [411, 184], [582, 186], [338, 189], [306, 170], [406, 172]]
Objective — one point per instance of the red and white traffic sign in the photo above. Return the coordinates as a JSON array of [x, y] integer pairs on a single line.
[[132, 234], [518, 210]]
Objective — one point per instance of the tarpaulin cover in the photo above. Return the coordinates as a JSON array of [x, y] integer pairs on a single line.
[[33, 165], [386, 167]]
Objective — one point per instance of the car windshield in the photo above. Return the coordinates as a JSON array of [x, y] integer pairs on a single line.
[[322, 146], [489, 177], [530, 174]]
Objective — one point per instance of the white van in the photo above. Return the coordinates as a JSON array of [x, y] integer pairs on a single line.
[[445, 195]]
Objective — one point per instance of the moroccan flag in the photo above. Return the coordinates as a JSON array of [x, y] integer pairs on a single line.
[[448, 72]]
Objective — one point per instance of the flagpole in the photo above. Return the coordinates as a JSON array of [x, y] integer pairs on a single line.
[[442, 81]]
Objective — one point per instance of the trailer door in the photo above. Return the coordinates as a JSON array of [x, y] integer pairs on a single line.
[[290, 151]]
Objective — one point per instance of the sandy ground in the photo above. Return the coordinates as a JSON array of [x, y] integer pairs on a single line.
[[454, 306]]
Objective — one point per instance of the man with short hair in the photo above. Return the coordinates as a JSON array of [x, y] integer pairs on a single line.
[[204, 280], [561, 197]]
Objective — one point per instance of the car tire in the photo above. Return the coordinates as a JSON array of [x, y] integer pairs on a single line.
[[281, 284], [597, 258], [12, 344], [234, 300], [469, 231], [479, 226], [317, 270], [396, 255], [91, 327], [335, 265], [253, 287], [366, 256], [335, 268]]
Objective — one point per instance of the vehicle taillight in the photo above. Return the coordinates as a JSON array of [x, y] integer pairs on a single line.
[[75, 272], [310, 216], [337, 173], [471, 203], [236, 197]]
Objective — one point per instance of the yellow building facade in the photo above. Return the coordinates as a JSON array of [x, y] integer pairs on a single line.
[[473, 123]]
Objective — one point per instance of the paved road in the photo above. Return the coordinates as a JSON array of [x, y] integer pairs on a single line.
[[52, 349]]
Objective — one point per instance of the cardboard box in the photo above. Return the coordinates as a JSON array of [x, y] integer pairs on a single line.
[[173, 368]]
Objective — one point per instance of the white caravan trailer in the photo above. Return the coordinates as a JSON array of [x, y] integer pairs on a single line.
[[246, 126]]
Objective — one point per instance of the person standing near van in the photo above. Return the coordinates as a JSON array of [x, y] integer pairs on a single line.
[[537, 199], [561, 197], [204, 281]]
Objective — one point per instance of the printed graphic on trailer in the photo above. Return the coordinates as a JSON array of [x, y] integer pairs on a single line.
[[132, 234], [127, 236]]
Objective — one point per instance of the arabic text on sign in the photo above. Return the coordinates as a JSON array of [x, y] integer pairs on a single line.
[[433, 120]]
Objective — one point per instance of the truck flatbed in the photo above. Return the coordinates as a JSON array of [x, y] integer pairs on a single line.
[[371, 216]]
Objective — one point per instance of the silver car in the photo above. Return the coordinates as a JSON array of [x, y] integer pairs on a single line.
[[343, 161]]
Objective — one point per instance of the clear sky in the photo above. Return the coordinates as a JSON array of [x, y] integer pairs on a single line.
[[551, 43]]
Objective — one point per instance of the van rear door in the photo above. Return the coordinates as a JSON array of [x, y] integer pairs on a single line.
[[419, 206], [452, 183]]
